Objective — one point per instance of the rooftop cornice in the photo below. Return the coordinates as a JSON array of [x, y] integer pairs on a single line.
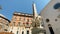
[[23, 14], [5, 18]]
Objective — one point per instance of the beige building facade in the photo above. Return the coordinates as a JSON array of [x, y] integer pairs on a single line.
[[4, 23], [21, 23]]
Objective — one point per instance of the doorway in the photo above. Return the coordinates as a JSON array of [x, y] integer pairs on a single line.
[[50, 29]]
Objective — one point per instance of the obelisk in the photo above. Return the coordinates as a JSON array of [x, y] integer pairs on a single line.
[[36, 22]]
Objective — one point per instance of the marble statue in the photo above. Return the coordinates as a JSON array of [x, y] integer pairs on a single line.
[[37, 22]]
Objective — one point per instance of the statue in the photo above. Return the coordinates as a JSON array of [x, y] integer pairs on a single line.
[[37, 22]]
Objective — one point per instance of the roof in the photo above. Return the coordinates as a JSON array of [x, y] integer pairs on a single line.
[[2, 16], [23, 14]]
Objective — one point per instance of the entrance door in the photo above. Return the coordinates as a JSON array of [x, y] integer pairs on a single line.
[[51, 29]]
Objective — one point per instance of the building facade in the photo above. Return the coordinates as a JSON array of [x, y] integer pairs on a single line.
[[51, 17], [4, 23], [21, 23]]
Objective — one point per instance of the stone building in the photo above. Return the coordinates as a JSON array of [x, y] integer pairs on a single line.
[[21, 23], [4, 23], [51, 17]]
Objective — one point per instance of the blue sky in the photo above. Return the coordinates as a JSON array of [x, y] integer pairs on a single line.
[[10, 6]]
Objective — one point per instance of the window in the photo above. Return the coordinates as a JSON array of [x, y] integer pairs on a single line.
[[51, 29], [18, 23], [20, 18], [17, 32], [22, 32], [27, 23], [47, 20], [56, 6], [27, 20], [14, 23], [5, 29], [27, 31]]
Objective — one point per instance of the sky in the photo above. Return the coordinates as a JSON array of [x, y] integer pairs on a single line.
[[25, 6]]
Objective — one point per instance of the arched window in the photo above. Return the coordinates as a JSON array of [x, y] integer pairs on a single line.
[[22, 32], [56, 6], [27, 31], [17, 32]]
